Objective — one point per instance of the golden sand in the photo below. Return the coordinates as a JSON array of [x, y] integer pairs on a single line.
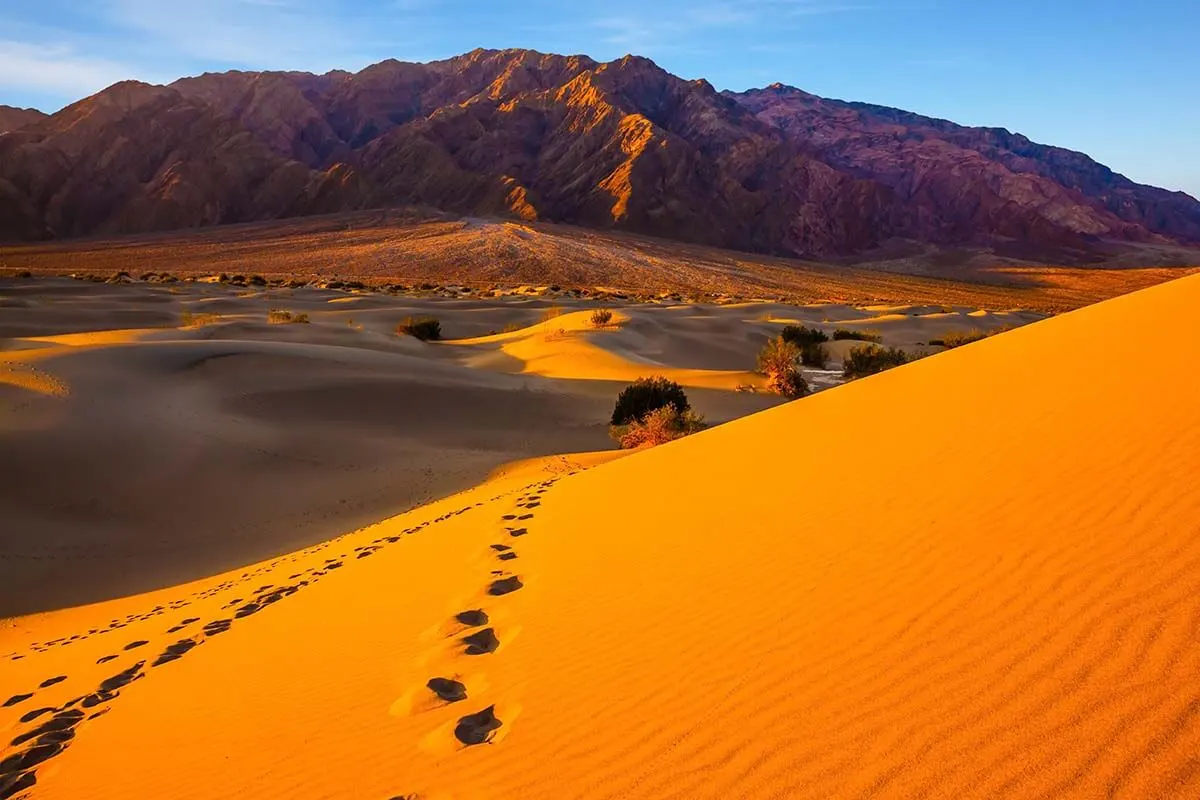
[[973, 576]]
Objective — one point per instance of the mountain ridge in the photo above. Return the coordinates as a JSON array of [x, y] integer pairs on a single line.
[[620, 144]]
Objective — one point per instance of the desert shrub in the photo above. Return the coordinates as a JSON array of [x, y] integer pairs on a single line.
[[658, 427], [279, 316], [191, 319], [551, 313], [870, 359], [601, 317], [959, 338], [779, 361], [256, 280], [858, 336], [801, 336], [425, 328], [814, 355], [645, 395]]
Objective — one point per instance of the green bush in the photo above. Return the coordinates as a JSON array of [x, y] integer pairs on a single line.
[[814, 355], [779, 361], [658, 427], [954, 339], [858, 336], [869, 359], [425, 328], [645, 395], [801, 336]]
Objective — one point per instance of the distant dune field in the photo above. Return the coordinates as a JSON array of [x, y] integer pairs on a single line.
[[976, 575], [159, 433]]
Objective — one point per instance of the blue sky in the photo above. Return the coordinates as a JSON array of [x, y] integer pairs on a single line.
[[1117, 80]]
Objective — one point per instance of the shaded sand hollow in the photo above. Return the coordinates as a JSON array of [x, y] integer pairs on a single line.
[[973, 576], [142, 448]]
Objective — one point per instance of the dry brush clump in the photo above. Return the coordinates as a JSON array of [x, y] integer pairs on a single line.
[[193, 319], [427, 329], [871, 358], [281, 316], [652, 411], [952, 339], [779, 361], [660, 426], [601, 317], [842, 334], [645, 395], [811, 343]]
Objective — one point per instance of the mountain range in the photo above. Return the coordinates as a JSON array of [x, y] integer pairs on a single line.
[[622, 144]]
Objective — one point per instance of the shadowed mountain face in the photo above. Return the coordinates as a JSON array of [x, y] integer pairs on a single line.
[[623, 144], [13, 118]]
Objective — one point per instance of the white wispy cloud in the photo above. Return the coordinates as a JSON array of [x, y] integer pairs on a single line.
[[656, 32], [56, 68]]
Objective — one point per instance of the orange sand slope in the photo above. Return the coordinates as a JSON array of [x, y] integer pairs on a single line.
[[974, 576]]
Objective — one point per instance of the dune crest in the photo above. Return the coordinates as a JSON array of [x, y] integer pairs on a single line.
[[977, 575]]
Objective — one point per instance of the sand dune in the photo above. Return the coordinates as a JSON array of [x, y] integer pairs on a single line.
[[973, 576]]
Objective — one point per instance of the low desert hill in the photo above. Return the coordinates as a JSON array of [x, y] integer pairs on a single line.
[[977, 575], [620, 145], [13, 118], [414, 247]]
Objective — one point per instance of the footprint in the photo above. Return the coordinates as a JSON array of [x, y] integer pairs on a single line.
[[10, 786], [447, 689], [104, 659], [477, 728], [122, 678], [55, 730], [517, 531], [505, 585], [473, 618], [217, 626], [509, 556], [30, 716], [501, 547], [17, 698], [136, 645], [52, 681], [174, 651], [481, 642]]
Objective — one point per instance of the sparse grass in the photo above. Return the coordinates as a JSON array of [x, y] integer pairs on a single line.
[[660, 426], [871, 358], [859, 336], [281, 316], [426, 329], [645, 395], [552, 313], [191, 319], [601, 317], [954, 339], [779, 361]]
